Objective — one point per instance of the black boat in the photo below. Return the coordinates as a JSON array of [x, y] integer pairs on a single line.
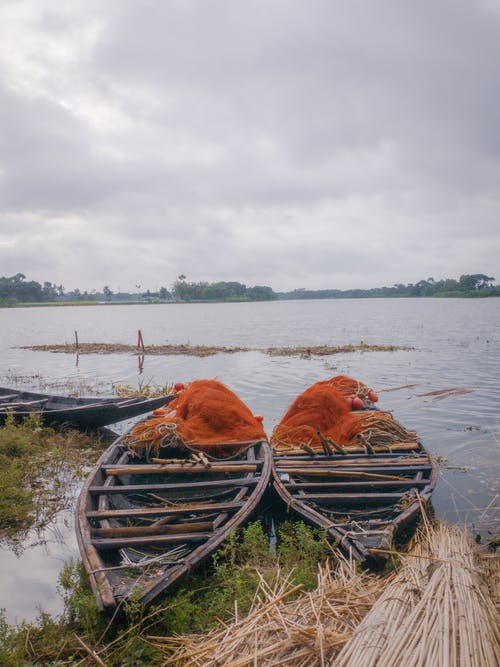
[[144, 524], [362, 498], [85, 414]]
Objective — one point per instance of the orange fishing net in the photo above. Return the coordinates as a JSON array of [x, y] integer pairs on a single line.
[[320, 420], [346, 385], [206, 416]]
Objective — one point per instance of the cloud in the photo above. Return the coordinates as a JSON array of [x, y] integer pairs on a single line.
[[319, 144]]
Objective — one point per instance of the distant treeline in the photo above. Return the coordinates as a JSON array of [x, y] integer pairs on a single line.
[[468, 285], [17, 290]]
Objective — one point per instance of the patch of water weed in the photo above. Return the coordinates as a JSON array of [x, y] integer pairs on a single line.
[[69, 386], [39, 471], [144, 388], [208, 350]]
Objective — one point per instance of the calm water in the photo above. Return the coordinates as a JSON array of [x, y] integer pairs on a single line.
[[456, 345]]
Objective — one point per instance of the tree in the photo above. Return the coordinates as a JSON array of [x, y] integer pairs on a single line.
[[475, 281], [107, 292]]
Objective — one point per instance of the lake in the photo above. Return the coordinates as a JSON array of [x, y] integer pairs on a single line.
[[456, 345]]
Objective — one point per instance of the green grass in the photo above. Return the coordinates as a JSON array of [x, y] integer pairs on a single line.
[[204, 599], [38, 466]]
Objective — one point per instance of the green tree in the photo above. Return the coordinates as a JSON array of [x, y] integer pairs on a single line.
[[107, 292], [475, 281]]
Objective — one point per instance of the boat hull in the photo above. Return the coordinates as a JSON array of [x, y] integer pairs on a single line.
[[362, 499], [142, 526], [85, 414]]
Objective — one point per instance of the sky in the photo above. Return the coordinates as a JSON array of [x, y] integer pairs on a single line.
[[291, 143]]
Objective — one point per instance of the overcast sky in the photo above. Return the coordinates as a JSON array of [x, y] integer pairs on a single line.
[[290, 143]]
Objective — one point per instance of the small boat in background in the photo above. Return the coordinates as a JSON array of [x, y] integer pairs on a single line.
[[86, 414], [359, 475], [144, 524]]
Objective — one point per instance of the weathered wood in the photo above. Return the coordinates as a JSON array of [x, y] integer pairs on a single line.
[[403, 483], [354, 449], [148, 540], [328, 472], [24, 404], [141, 531], [394, 472], [173, 536], [214, 463], [187, 508], [8, 397], [344, 499], [149, 469], [345, 462], [141, 488]]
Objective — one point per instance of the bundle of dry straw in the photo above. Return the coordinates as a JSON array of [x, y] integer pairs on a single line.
[[437, 612], [305, 632]]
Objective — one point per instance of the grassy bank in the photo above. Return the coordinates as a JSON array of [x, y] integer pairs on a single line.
[[226, 584], [38, 471]]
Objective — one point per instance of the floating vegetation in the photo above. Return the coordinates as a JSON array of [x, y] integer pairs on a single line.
[[38, 471], [69, 386], [439, 394], [326, 350], [143, 389], [208, 350], [121, 348]]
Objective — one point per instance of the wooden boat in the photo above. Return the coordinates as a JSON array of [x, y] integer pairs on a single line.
[[141, 526], [363, 497], [81, 413]]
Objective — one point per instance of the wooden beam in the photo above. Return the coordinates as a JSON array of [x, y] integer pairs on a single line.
[[356, 472], [148, 540], [343, 499], [188, 508], [145, 488], [343, 461], [149, 469], [353, 449], [405, 482], [141, 531]]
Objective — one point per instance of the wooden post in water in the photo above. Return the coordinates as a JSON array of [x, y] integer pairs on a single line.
[[140, 341], [76, 339]]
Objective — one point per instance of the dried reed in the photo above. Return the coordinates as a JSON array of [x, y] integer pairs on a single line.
[[305, 632], [437, 612]]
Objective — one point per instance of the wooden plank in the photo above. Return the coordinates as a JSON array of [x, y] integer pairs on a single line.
[[8, 397], [344, 461], [149, 469], [343, 499], [354, 449], [192, 508], [148, 540], [20, 405], [353, 475], [141, 531], [352, 471], [409, 483], [144, 488]]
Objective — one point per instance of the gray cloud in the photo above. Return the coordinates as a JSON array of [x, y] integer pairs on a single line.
[[319, 144]]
